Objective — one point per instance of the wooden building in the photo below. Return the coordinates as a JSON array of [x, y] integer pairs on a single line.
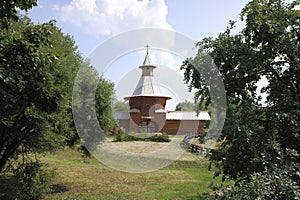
[[147, 109]]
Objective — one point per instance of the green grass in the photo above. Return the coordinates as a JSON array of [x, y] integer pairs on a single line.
[[186, 178], [76, 179]]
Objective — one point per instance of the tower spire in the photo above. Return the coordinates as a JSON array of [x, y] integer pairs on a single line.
[[147, 59], [147, 85], [147, 46]]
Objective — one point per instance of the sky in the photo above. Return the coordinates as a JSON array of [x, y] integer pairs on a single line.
[[93, 22]]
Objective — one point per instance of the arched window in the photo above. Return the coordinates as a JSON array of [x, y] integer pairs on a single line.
[[147, 127]]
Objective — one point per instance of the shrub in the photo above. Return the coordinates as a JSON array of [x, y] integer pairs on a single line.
[[274, 183], [201, 137], [124, 137], [34, 181], [159, 138]]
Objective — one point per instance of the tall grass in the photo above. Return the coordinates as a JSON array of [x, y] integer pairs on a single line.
[[186, 178]]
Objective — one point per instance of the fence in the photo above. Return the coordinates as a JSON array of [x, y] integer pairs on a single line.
[[200, 150]]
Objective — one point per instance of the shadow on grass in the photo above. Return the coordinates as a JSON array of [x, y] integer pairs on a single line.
[[58, 188], [9, 187]]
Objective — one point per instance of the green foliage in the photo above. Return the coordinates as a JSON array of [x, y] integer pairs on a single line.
[[92, 96], [38, 64], [160, 138], [201, 138], [186, 106], [8, 10], [34, 181], [120, 106], [85, 152], [124, 137], [274, 184], [103, 97], [256, 138], [38, 67]]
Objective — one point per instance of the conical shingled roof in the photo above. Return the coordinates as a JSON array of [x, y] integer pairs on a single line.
[[147, 86]]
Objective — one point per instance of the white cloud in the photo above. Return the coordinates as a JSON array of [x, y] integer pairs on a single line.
[[163, 57], [110, 17]]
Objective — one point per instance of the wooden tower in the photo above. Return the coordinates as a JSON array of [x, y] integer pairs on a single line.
[[147, 105]]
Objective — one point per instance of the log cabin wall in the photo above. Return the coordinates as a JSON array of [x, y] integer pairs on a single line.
[[184, 126]]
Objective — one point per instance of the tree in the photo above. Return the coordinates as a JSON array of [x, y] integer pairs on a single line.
[[120, 106], [186, 106], [8, 10], [189, 106], [28, 90], [256, 138], [38, 67], [104, 94], [92, 108], [38, 64]]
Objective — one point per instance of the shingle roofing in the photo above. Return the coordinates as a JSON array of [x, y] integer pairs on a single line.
[[172, 115], [121, 115], [147, 86], [178, 115]]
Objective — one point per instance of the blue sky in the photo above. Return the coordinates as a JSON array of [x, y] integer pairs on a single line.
[[194, 18], [92, 22]]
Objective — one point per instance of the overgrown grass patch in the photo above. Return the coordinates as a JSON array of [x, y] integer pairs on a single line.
[[184, 179]]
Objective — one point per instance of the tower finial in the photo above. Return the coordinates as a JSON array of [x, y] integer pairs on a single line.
[[147, 60], [147, 46]]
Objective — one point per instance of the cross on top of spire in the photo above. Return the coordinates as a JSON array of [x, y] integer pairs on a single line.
[[147, 60], [147, 46]]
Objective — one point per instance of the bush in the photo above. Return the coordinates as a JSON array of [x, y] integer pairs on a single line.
[[272, 183], [34, 181], [123, 137], [159, 138], [201, 137]]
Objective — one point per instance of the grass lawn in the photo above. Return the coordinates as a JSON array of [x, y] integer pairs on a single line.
[[184, 179]]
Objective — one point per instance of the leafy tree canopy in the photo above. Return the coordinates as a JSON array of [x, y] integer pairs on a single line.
[[8, 10], [120, 106], [37, 66], [256, 138], [186, 106]]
